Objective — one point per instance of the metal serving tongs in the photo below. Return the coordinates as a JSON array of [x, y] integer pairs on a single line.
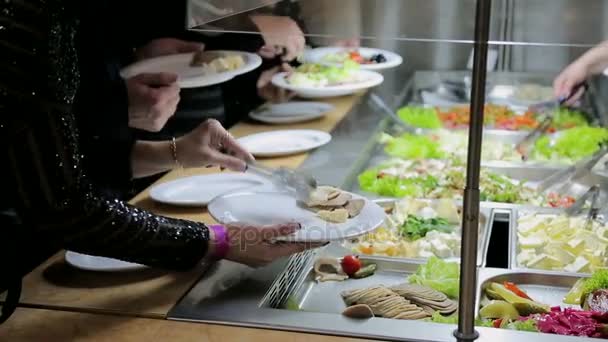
[[295, 182], [594, 209], [375, 99], [524, 147], [573, 172], [547, 106]]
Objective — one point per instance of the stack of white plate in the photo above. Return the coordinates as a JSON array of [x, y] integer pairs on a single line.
[[291, 112]]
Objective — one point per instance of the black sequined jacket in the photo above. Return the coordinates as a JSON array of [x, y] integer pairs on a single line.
[[41, 173]]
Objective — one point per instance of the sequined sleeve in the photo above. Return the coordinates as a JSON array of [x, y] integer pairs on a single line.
[[40, 153]]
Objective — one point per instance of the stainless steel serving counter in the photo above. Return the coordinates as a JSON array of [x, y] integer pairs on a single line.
[[278, 296]]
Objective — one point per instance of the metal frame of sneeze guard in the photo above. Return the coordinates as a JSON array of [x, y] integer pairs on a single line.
[[203, 12]]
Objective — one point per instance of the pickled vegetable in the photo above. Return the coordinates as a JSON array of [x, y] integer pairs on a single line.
[[524, 306], [499, 309]]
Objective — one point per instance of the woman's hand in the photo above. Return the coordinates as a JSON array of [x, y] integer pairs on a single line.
[[166, 46], [153, 99], [282, 36], [575, 74], [211, 145], [268, 91], [255, 246]]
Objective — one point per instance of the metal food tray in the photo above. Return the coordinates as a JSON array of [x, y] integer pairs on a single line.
[[513, 239], [486, 220], [324, 297], [542, 286], [530, 172]]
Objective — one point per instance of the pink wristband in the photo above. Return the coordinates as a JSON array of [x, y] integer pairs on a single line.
[[221, 242]]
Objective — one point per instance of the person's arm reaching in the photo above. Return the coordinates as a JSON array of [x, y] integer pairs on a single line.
[[593, 62], [45, 180], [53, 194]]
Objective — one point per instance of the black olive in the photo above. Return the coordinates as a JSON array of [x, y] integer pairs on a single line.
[[379, 58]]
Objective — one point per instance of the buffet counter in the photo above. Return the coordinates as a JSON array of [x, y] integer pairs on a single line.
[[34, 325], [105, 305]]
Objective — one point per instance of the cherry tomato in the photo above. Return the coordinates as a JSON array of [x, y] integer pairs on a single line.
[[356, 57], [351, 264], [497, 323]]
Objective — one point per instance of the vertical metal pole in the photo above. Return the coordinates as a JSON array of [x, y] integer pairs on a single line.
[[470, 222]]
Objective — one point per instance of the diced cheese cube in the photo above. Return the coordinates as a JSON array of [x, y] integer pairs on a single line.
[[531, 242], [575, 244], [441, 249], [545, 261], [529, 224], [524, 257], [579, 265]]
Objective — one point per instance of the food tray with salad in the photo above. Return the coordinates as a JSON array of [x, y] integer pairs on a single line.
[[545, 239], [416, 167], [496, 117], [542, 302], [419, 229], [359, 287]]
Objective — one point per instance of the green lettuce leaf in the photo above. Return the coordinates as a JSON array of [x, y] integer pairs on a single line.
[[409, 146], [575, 143], [440, 275], [420, 117], [391, 186]]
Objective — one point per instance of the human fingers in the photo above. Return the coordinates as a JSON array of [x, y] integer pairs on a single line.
[[160, 79], [226, 161], [267, 52], [271, 232], [574, 98], [183, 46], [266, 77], [229, 143]]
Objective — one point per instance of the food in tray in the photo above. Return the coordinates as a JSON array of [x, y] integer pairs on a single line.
[[214, 64], [563, 147], [415, 229], [354, 56], [334, 205], [506, 306], [561, 243], [442, 144], [332, 269], [443, 179], [440, 275], [586, 286], [572, 144], [495, 116], [428, 299], [384, 303], [320, 76], [329, 269], [404, 301]]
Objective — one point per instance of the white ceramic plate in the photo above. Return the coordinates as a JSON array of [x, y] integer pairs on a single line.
[[198, 191], [318, 56], [291, 112], [99, 264], [189, 76], [369, 79], [284, 143], [274, 207]]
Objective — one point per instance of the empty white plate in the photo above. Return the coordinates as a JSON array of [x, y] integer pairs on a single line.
[[291, 112], [94, 263], [366, 80], [275, 208], [197, 191], [323, 55], [284, 143], [189, 76]]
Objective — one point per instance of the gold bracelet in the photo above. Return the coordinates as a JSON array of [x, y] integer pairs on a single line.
[[174, 153]]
